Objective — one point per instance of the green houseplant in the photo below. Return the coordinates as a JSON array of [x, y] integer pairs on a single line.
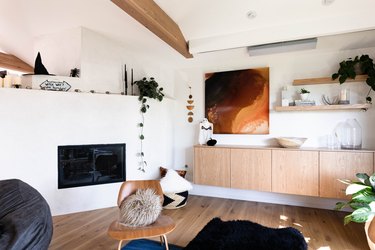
[[362, 198], [304, 93], [359, 65], [362, 202], [147, 89]]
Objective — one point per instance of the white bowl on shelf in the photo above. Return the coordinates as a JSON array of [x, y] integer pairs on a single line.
[[291, 142]]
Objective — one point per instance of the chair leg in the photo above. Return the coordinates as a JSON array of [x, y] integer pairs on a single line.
[[119, 245], [165, 241]]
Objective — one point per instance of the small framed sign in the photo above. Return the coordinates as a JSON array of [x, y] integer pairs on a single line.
[[55, 85]]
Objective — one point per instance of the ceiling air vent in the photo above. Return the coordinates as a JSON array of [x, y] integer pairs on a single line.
[[281, 47]]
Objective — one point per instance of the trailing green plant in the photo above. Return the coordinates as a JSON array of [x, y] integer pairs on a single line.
[[362, 198], [147, 89], [351, 67], [304, 91]]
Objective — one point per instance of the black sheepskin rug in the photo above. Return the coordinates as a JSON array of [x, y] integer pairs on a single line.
[[246, 235]]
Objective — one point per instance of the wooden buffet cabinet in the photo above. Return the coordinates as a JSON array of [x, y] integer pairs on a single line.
[[304, 171]]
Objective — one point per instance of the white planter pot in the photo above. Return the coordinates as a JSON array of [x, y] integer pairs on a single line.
[[305, 97], [370, 243]]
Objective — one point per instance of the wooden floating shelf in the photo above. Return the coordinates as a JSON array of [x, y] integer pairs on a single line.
[[324, 107], [326, 80]]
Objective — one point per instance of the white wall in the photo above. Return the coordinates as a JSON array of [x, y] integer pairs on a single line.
[[60, 52], [284, 68], [34, 122]]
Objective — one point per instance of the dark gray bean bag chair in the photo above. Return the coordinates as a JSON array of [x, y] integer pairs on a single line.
[[25, 217]]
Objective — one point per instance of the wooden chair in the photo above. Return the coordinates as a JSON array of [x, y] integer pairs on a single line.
[[161, 227]]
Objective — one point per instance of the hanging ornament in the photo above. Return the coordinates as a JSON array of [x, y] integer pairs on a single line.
[[190, 107]]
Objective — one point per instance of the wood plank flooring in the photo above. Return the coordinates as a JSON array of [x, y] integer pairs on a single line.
[[323, 229]]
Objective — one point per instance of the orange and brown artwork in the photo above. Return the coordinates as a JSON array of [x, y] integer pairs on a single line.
[[237, 102]]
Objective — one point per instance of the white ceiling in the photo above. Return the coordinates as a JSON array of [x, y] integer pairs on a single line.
[[208, 25]]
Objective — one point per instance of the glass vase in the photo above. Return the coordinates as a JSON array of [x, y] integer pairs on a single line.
[[355, 133]]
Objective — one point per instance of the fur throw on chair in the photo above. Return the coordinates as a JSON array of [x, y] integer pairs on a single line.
[[140, 209]]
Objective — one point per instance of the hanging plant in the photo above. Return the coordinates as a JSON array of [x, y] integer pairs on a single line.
[[147, 89], [359, 65]]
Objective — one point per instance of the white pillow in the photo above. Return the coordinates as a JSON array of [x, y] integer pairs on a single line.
[[172, 182], [140, 209]]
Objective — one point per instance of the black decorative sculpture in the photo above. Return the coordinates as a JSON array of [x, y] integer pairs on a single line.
[[39, 68]]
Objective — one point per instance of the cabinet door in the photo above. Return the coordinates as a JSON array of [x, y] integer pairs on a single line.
[[295, 172], [212, 166], [251, 169], [342, 165]]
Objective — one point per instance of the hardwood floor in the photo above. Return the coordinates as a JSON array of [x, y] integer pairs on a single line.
[[323, 229]]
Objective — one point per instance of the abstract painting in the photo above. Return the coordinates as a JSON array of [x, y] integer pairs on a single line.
[[237, 102]]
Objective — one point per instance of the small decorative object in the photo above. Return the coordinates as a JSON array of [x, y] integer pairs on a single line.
[[211, 142], [360, 65], [39, 68], [92, 91], [284, 97], [74, 72], [327, 101], [344, 96], [205, 131], [361, 201], [291, 142], [190, 107], [7, 81], [125, 80], [332, 141], [304, 103], [147, 89], [16, 86], [77, 90], [2, 76], [55, 85], [132, 82], [107, 92], [304, 94]]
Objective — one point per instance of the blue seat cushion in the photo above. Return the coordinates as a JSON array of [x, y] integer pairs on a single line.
[[144, 244]]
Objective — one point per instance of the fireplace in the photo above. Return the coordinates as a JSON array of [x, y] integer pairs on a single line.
[[83, 165]]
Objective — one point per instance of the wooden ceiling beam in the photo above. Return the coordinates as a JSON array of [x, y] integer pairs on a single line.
[[12, 62], [148, 13]]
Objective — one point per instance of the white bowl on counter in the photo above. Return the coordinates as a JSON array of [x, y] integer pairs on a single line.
[[291, 142]]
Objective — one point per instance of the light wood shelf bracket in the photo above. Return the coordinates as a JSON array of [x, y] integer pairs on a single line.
[[150, 15]]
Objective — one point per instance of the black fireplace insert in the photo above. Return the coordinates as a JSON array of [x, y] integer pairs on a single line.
[[83, 165]]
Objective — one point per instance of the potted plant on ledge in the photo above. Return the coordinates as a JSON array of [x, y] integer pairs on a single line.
[[350, 68], [304, 93], [147, 89], [362, 202]]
